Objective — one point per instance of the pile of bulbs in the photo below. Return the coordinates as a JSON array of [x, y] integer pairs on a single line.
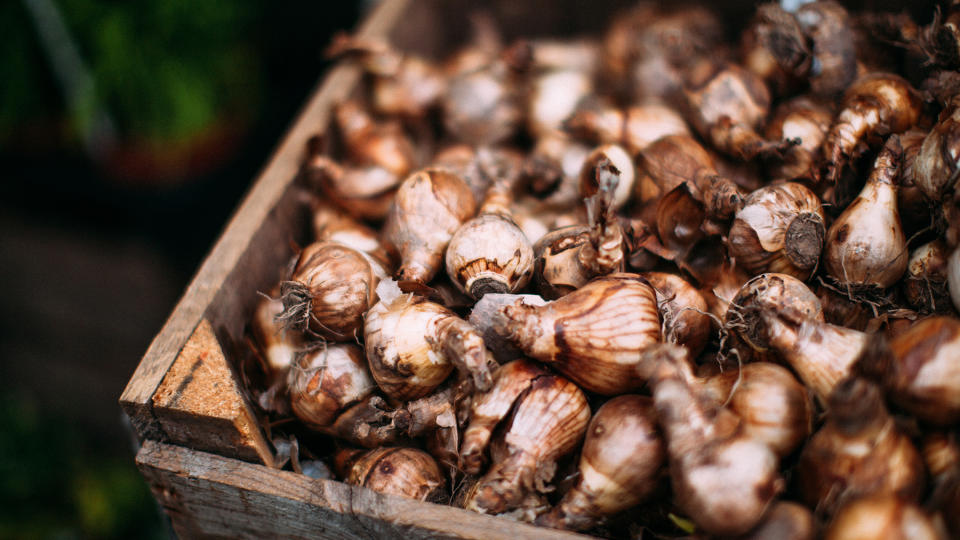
[[653, 281]]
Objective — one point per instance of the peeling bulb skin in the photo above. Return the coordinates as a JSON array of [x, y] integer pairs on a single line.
[[774, 293], [487, 410], [593, 335], [619, 464], [557, 267], [781, 229], [617, 157], [325, 381], [549, 422], [883, 517], [407, 472], [412, 345], [858, 451], [875, 104], [430, 206], [866, 246]]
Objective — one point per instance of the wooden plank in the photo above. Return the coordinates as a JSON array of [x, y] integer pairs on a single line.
[[200, 405], [209, 496], [272, 183]]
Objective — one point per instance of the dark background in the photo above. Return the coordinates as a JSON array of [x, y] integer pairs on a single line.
[[97, 243]]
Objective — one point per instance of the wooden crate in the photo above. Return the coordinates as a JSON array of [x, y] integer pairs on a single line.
[[203, 452]]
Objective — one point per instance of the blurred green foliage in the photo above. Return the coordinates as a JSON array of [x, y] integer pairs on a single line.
[[56, 482], [163, 69]]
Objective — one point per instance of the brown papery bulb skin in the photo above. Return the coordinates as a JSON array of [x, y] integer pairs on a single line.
[[680, 159], [481, 107], [953, 277], [784, 521], [723, 479], [799, 119], [925, 281], [772, 292], [404, 85], [939, 159], [834, 62], [333, 224], [323, 382], [488, 409], [941, 454], [277, 346], [489, 254], [593, 335], [549, 422], [779, 229], [925, 376], [331, 288], [774, 406], [866, 246], [557, 267], [635, 127], [406, 345], [407, 472], [875, 104], [370, 143], [821, 354], [619, 464], [726, 104], [605, 155], [858, 451], [430, 206], [553, 167], [365, 191], [883, 517], [683, 311], [774, 47]]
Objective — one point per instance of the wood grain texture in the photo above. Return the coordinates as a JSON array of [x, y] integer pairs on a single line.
[[200, 405], [270, 187], [209, 496]]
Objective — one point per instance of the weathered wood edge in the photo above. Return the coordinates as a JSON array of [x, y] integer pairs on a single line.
[[207, 495], [269, 187]]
